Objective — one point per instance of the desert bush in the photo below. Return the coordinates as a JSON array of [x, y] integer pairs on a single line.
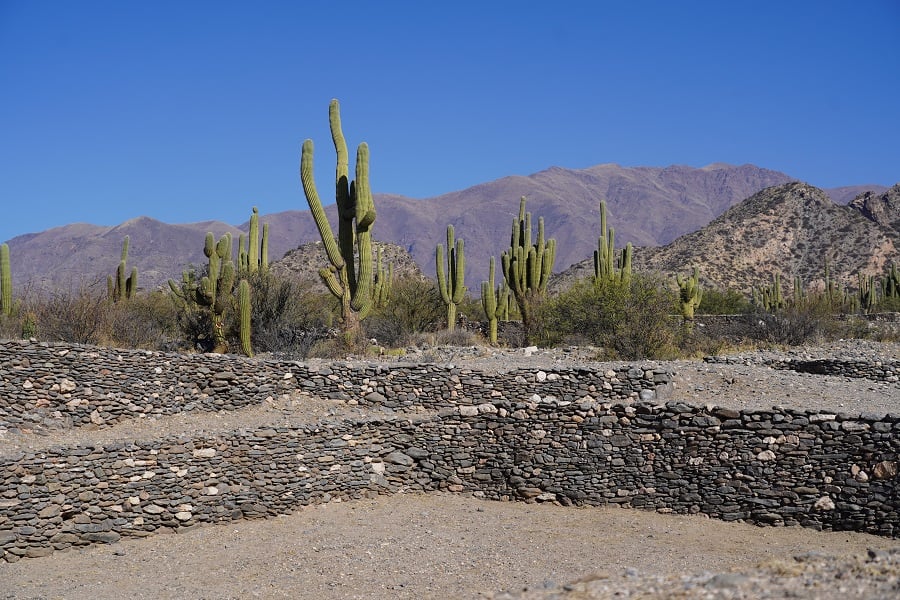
[[724, 302], [80, 316], [287, 317], [630, 319], [147, 321], [415, 306]]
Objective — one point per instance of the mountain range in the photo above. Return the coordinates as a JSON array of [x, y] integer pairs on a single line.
[[652, 207]]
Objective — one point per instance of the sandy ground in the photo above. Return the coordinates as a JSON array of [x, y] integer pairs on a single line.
[[413, 546]]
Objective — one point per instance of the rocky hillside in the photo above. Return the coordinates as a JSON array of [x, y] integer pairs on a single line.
[[792, 228], [648, 205], [303, 263]]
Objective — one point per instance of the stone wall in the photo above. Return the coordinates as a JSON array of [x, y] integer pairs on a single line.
[[65, 385], [569, 444]]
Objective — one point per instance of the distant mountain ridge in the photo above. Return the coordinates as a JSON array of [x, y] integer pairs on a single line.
[[648, 206]]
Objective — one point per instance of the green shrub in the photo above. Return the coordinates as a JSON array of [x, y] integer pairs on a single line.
[[630, 319], [724, 302]]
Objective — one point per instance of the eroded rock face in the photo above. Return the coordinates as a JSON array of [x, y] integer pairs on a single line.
[[883, 208]]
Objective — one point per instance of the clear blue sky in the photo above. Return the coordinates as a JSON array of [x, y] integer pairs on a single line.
[[191, 110]]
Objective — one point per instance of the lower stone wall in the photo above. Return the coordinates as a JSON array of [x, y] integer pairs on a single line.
[[782, 467]]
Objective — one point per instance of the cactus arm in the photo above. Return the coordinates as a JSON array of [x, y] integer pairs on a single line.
[[253, 245], [264, 249], [315, 206]]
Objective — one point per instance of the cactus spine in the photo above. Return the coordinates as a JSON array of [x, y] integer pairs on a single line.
[[451, 283], [605, 254], [527, 267], [690, 295], [122, 287], [5, 282], [244, 306], [352, 286], [489, 303]]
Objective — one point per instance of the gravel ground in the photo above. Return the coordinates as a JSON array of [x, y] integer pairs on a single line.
[[449, 546]]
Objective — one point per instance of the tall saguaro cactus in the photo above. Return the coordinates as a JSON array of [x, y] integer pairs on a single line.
[[122, 287], [527, 266], [5, 282], [350, 282], [605, 254], [451, 283]]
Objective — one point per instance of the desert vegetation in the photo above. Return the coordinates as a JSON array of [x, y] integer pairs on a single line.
[[235, 302]]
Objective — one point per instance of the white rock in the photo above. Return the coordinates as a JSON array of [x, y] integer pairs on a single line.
[[765, 455], [824, 503], [204, 453]]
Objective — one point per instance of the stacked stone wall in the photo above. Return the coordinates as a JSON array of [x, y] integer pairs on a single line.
[[569, 444]]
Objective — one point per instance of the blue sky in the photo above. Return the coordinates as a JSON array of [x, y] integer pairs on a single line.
[[190, 110]]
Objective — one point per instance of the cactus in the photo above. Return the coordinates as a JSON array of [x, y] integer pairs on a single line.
[[351, 285], [384, 281], [452, 283], [214, 290], [799, 292], [244, 305], [690, 295], [489, 303], [890, 285], [604, 255], [769, 297], [122, 287], [866, 293], [527, 267], [5, 282], [253, 255]]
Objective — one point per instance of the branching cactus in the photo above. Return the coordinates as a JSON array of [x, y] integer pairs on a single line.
[[866, 293], [690, 294], [451, 281], [526, 266], [5, 282], [122, 287], [769, 297], [890, 285], [253, 255], [348, 280], [216, 288], [605, 254], [489, 303]]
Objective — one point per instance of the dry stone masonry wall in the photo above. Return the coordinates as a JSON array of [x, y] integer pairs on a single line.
[[573, 436]]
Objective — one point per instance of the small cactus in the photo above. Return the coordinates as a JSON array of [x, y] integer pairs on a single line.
[[489, 303], [122, 287], [5, 281], [452, 284], [690, 294]]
